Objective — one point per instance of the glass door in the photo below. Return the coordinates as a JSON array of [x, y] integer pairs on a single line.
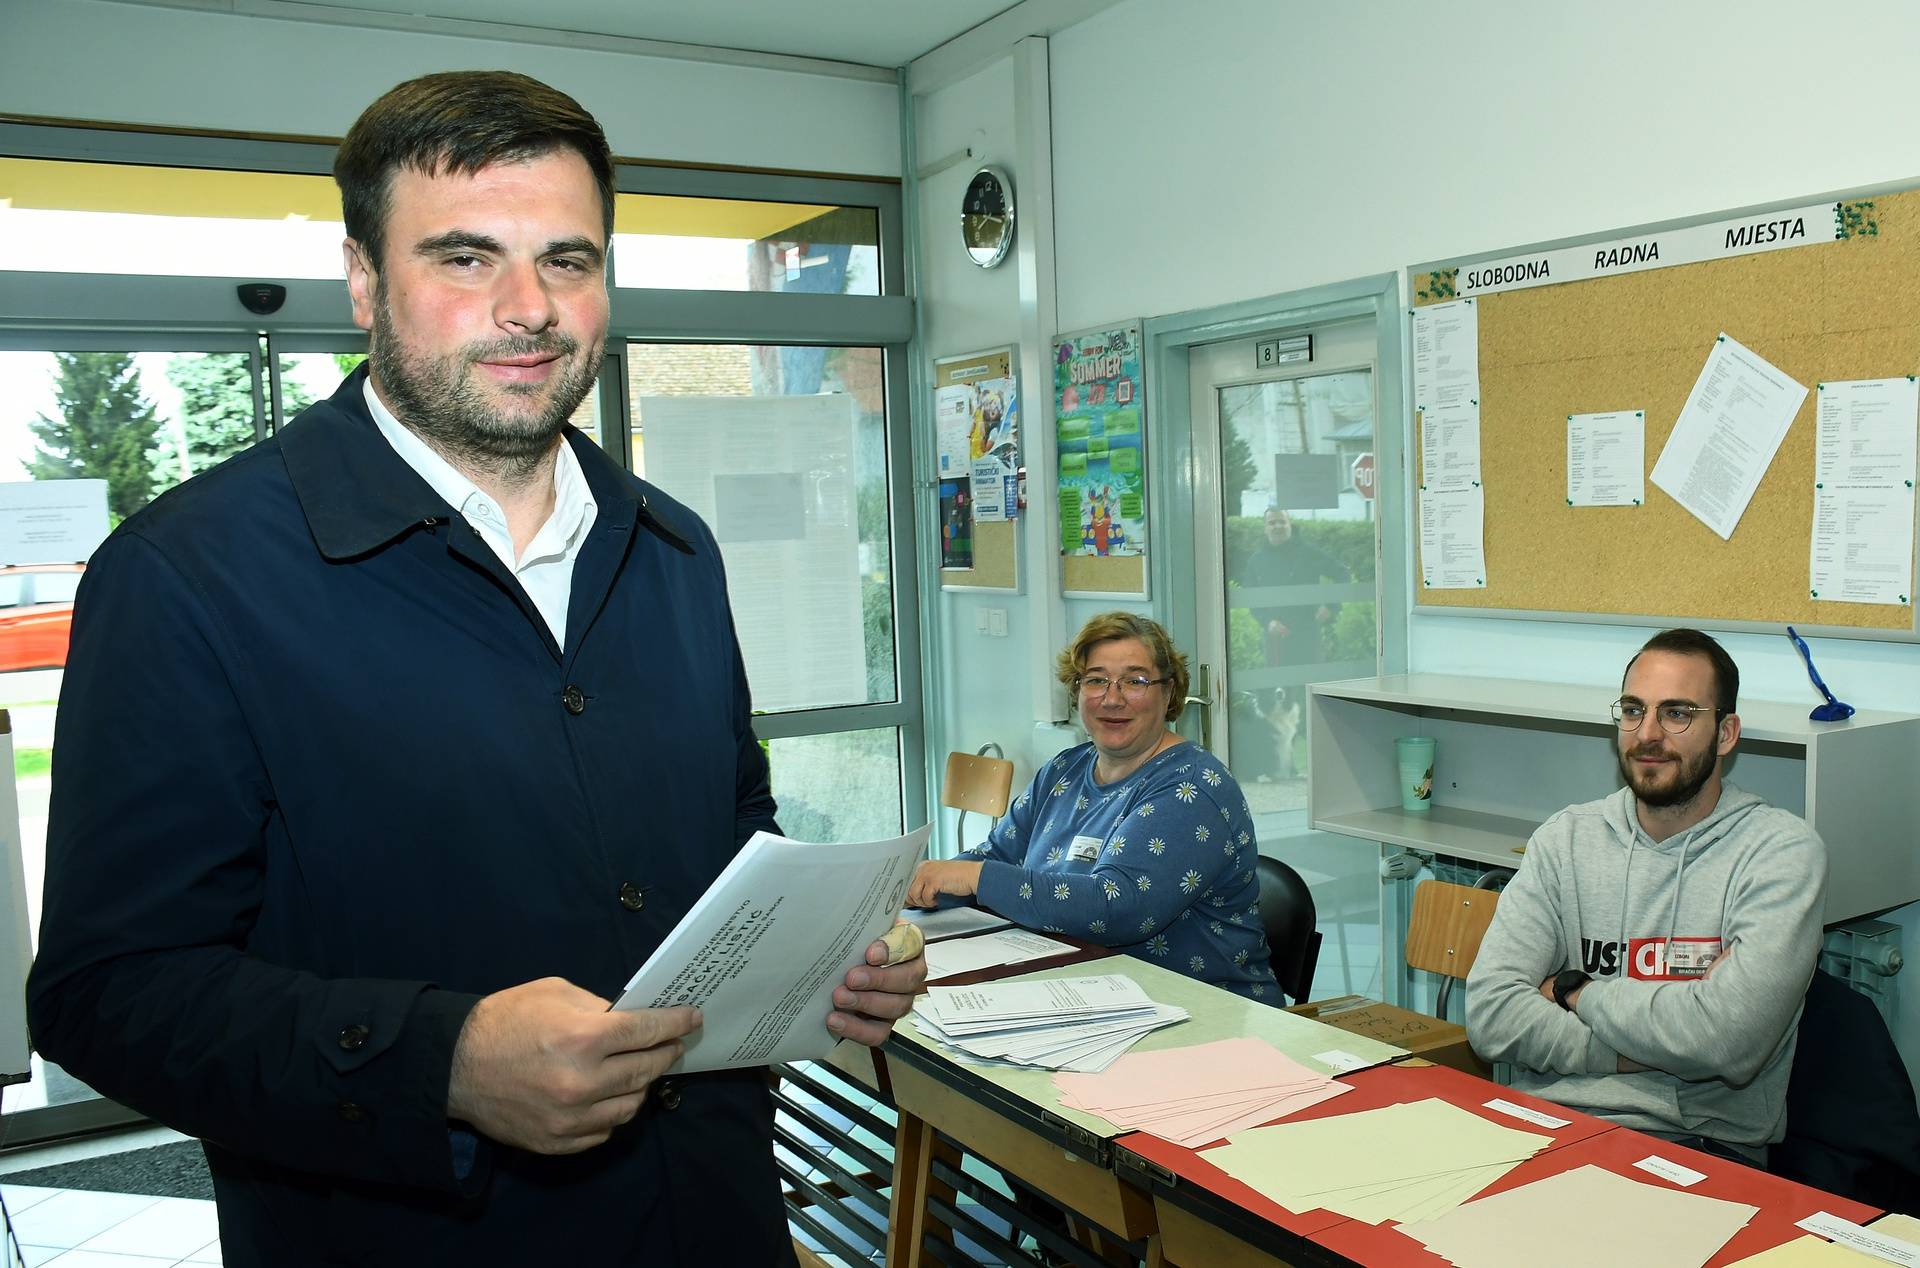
[[1287, 540], [138, 414]]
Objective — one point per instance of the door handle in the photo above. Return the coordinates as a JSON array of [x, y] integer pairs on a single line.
[[1204, 684]]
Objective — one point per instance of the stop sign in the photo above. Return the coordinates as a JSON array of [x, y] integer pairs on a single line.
[[1363, 475]]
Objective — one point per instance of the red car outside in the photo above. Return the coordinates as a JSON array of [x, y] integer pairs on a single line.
[[36, 614]]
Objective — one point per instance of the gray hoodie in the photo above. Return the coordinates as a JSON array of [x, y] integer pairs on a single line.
[[1646, 918]]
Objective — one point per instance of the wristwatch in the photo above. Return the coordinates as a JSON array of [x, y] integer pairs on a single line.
[[1566, 982]]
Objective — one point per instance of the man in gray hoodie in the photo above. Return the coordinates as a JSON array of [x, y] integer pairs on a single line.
[[1647, 962]]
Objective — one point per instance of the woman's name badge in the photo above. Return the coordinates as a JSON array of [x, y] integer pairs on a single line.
[[1085, 849]]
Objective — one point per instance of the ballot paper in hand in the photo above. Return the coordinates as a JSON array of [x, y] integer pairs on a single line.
[[1077, 1023], [763, 949]]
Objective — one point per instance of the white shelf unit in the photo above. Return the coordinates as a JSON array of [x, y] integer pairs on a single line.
[[1508, 754]]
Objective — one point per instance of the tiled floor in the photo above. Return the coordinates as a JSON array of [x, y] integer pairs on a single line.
[[74, 1228]]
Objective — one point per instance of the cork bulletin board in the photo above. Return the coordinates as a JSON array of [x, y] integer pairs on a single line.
[[1847, 307], [990, 560]]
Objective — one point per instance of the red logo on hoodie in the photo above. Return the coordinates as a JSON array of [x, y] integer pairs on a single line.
[[1670, 959]]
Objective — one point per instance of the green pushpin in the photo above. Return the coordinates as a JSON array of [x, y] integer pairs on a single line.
[[1636, 501], [1569, 501]]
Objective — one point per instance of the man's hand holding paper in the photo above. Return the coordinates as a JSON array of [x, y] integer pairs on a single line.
[[784, 953], [881, 991]]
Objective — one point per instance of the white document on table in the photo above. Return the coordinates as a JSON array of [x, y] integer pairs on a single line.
[[1863, 473], [1607, 458], [989, 950], [1452, 539], [762, 950], [1446, 355], [1731, 426], [1450, 447], [953, 921], [1081, 1024]]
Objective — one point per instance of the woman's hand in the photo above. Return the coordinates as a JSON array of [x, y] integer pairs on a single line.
[[933, 878]]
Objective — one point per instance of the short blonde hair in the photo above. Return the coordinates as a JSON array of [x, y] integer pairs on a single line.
[[1168, 663]]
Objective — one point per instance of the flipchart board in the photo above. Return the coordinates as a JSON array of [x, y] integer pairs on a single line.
[[1826, 289]]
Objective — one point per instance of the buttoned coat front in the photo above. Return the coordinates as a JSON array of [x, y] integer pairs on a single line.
[[323, 780]]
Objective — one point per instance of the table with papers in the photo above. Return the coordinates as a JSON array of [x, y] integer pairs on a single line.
[[1200, 1206], [1017, 1119], [1045, 1128], [1206, 1215]]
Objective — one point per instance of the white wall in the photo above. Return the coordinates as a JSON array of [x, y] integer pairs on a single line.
[[1240, 148], [983, 681], [124, 63], [1210, 153]]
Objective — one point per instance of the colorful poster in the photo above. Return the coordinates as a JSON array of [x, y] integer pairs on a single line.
[[956, 525], [994, 443], [1100, 405]]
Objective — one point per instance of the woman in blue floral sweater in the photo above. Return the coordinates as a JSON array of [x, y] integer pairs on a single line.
[[1137, 840]]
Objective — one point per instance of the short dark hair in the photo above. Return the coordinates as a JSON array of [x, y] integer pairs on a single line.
[[459, 122], [1683, 642]]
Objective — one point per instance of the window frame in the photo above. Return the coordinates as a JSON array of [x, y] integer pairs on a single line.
[[73, 311]]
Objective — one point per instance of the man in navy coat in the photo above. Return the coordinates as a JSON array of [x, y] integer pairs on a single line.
[[390, 748]]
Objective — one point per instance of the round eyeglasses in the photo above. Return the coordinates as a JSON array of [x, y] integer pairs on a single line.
[[1630, 715], [1133, 687]]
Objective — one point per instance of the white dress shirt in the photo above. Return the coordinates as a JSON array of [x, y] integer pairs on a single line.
[[545, 571]]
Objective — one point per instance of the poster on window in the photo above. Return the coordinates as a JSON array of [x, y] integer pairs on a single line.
[[976, 405], [1100, 409]]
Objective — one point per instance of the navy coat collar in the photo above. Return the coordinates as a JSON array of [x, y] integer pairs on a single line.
[[358, 494]]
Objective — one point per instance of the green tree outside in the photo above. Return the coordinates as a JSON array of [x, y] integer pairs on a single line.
[[216, 404], [104, 429]]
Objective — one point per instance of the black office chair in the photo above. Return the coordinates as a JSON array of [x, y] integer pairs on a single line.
[[1852, 1125], [1286, 910]]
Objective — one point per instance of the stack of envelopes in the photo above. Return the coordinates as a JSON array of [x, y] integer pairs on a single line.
[[1074, 1023], [1200, 1093], [1584, 1218], [1414, 1161]]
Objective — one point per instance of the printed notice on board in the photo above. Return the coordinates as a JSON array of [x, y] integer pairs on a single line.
[[1726, 436], [52, 521], [1607, 458], [1449, 448], [1863, 475], [1446, 356], [953, 420], [1452, 555]]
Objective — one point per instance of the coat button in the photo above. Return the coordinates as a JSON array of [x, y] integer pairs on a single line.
[[354, 1037], [574, 699], [352, 1112], [669, 1094], [632, 897]]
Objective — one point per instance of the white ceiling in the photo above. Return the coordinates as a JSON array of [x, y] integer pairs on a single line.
[[887, 33]]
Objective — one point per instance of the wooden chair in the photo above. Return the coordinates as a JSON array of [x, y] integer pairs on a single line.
[[1445, 931], [976, 784]]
